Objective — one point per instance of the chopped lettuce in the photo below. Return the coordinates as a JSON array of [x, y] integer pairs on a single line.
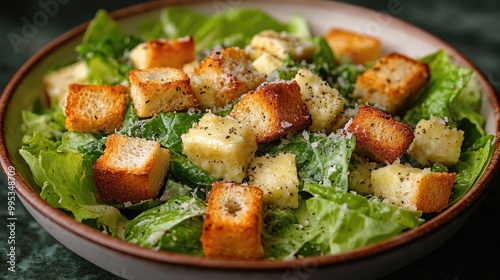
[[320, 159], [188, 173], [232, 27], [65, 178], [104, 48], [471, 165], [165, 128], [442, 96], [331, 222], [174, 225], [49, 122]]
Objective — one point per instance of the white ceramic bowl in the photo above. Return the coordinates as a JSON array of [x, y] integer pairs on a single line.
[[133, 262]]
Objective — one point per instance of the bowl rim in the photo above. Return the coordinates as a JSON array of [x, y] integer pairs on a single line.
[[93, 235]]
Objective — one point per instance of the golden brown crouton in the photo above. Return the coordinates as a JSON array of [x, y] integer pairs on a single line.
[[130, 170], [273, 110], [156, 90], [223, 76], [354, 47], [392, 82], [95, 108], [163, 53], [403, 185], [233, 221], [379, 136]]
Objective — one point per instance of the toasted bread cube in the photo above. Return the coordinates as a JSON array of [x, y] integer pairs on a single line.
[[353, 47], [221, 146], [233, 222], [95, 108], [403, 185], [323, 102], [435, 142], [359, 178], [130, 170], [379, 136], [277, 177], [280, 44], [163, 53], [223, 76], [273, 110], [57, 82], [392, 82], [267, 63], [157, 90]]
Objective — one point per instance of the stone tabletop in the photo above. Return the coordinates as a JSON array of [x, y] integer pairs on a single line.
[[473, 27]]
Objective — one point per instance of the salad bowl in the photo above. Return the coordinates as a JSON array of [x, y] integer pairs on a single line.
[[133, 262]]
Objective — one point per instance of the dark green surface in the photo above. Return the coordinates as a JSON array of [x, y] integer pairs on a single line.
[[472, 253]]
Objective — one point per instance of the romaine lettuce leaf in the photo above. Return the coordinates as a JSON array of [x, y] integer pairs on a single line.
[[165, 128], [232, 27], [331, 222], [49, 122], [104, 48], [65, 178], [149, 228], [320, 159], [188, 173], [470, 165], [442, 96]]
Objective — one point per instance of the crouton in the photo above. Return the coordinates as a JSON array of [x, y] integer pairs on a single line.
[[267, 63], [221, 146], [223, 76], [277, 177], [353, 47], [280, 44], [130, 170], [403, 185], [392, 82], [163, 53], [233, 222], [379, 136], [273, 110], [323, 102], [95, 108], [157, 90], [436, 143], [57, 82]]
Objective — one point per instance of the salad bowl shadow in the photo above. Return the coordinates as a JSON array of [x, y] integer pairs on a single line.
[[133, 262]]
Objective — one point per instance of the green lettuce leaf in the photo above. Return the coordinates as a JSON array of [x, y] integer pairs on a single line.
[[160, 227], [320, 159], [232, 27], [49, 122], [104, 48], [471, 165], [442, 96], [65, 178], [188, 173], [165, 128], [331, 222]]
